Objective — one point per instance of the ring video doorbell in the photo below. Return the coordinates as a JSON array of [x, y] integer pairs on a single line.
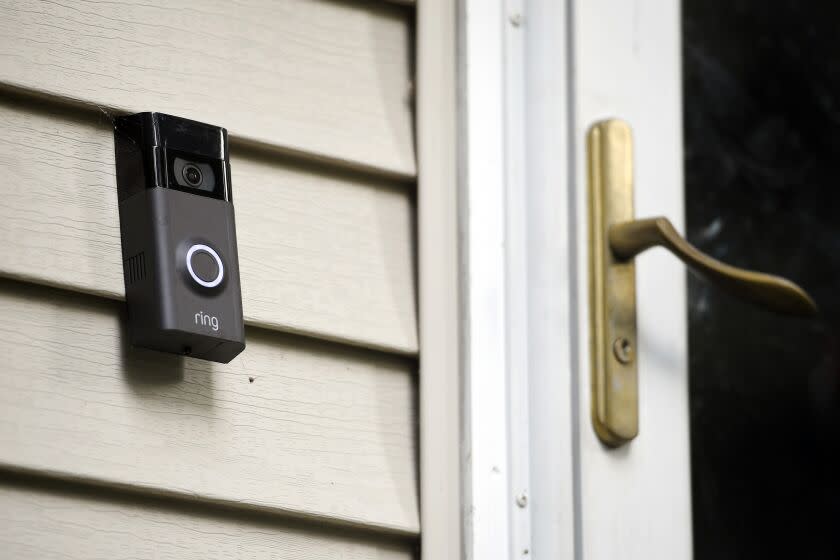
[[178, 236]]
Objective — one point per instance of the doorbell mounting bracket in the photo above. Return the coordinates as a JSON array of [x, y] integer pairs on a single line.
[[181, 267]]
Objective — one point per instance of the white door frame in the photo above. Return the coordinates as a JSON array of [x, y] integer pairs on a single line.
[[505, 95], [519, 405], [513, 321]]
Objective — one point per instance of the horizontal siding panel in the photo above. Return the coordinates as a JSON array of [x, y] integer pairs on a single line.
[[37, 525], [326, 78], [329, 255], [293, 425]]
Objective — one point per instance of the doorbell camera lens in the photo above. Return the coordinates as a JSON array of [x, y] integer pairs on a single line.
[[178, 233], [192, 174]]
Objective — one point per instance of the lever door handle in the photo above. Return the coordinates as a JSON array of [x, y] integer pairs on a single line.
[[628, 239], [615, 237]]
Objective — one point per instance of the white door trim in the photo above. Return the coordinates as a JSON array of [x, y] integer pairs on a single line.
[[487, 409], [529, 85], [519, 411]]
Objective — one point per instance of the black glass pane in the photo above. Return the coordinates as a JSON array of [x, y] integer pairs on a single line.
[[761, 84]]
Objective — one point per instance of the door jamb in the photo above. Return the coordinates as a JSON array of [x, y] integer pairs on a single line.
[[497, 407]]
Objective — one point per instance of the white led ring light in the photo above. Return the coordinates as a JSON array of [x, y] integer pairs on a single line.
[[205, 249]]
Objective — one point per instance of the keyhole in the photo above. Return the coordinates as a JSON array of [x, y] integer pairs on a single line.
[[623, 350]]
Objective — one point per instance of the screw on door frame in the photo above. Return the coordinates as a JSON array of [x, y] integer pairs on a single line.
[[623, 350]]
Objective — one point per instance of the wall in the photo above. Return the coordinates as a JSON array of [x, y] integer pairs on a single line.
[[303, 446]]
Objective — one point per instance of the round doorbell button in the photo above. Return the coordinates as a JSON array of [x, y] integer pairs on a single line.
[[205, 266]]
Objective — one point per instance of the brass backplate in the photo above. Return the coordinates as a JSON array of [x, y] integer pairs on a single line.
[[612, 286]]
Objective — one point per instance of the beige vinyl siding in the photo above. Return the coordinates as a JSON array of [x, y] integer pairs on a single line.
[[322, 430], [305, 445], [38, 525], [329, 79], [323, 252]]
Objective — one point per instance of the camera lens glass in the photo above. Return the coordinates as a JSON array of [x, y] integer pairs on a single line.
[[192, 174]]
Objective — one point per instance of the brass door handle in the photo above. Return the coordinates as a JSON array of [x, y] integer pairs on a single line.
[[628, 239], [615, 237]]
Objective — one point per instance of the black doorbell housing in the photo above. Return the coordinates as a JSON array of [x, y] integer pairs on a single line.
[[178, 236]]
